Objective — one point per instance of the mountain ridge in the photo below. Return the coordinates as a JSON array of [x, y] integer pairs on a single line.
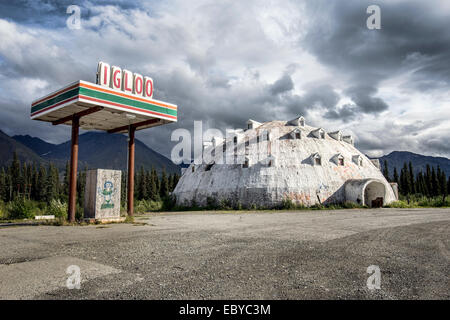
[[96, 150]]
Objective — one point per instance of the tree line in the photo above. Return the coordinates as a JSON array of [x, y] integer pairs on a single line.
[[431, 183], [43, 183]]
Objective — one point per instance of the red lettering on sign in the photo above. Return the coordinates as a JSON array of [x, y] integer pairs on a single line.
[[149, 88], [116, 79], [105, 75]]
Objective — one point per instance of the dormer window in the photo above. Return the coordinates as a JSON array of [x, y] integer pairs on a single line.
[[296, 134], [298, 122], [252, 124], [339, 159], [357, 159], [336, 135], [319, 133], [317, 159], [301, 122], [348, 139]]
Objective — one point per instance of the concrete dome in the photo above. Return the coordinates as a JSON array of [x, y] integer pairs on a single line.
[[280, 160]]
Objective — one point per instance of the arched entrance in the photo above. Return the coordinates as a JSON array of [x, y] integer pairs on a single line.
[[374, 194]]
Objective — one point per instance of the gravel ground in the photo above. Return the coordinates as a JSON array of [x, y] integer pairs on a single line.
[[243, 255]]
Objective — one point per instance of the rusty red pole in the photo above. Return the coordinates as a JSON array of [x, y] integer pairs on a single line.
[[73, 169], [131, 170]]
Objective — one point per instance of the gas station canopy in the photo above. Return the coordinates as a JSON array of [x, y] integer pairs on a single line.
[[102, 108]]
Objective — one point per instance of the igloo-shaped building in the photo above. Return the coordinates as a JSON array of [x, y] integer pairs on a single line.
[[277, 160]]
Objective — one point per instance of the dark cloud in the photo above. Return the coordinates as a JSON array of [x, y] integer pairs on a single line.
[[338, 36], [282, 85], [363, 96]]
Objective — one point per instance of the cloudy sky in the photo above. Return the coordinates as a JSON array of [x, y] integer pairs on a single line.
[[224, 62]]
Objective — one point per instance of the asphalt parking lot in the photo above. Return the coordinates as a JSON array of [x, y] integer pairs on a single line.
[[240, 255]]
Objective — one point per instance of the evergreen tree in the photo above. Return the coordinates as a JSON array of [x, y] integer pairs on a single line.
[[443, 185], [142, 184], [438, 182], [434, 183], [34, 183], [164, 192], [412, 188], [148, 185], [3, 190], [153, 189], [81, 186], [428, 182], [41, 184], [66, 181], [404, 180], [52, 185], [396, 178], [15, 175], [386, 170]]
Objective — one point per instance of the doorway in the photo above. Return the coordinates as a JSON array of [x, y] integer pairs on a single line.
[[374, 194]]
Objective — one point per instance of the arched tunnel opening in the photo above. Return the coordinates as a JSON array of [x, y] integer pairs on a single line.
[[374, 194]]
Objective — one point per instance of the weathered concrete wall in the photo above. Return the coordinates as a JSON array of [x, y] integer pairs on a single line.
[[102, 194], [293, 174]]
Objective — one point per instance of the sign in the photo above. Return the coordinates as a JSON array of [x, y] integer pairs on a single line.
[[124, 80]]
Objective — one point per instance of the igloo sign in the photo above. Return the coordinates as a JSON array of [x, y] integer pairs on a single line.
[[124, 80]]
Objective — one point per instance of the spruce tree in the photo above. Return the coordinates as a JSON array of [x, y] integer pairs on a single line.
[[3, 191], [164, 192], [15, 175], [428, 182], [52, 186], [411, 178], [386, 170], [396, 178], [41, 184], [65, 186], [153, 189], [443, 185], [434, 183]]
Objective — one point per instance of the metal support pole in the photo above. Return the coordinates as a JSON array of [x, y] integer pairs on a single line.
[[131, 132], [73, 169]]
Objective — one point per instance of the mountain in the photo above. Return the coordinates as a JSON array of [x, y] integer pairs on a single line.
[[37, 145], [100, 150], [419, 162], [7, 147]]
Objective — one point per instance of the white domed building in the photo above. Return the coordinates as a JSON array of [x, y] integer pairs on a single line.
[[273, 161]]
